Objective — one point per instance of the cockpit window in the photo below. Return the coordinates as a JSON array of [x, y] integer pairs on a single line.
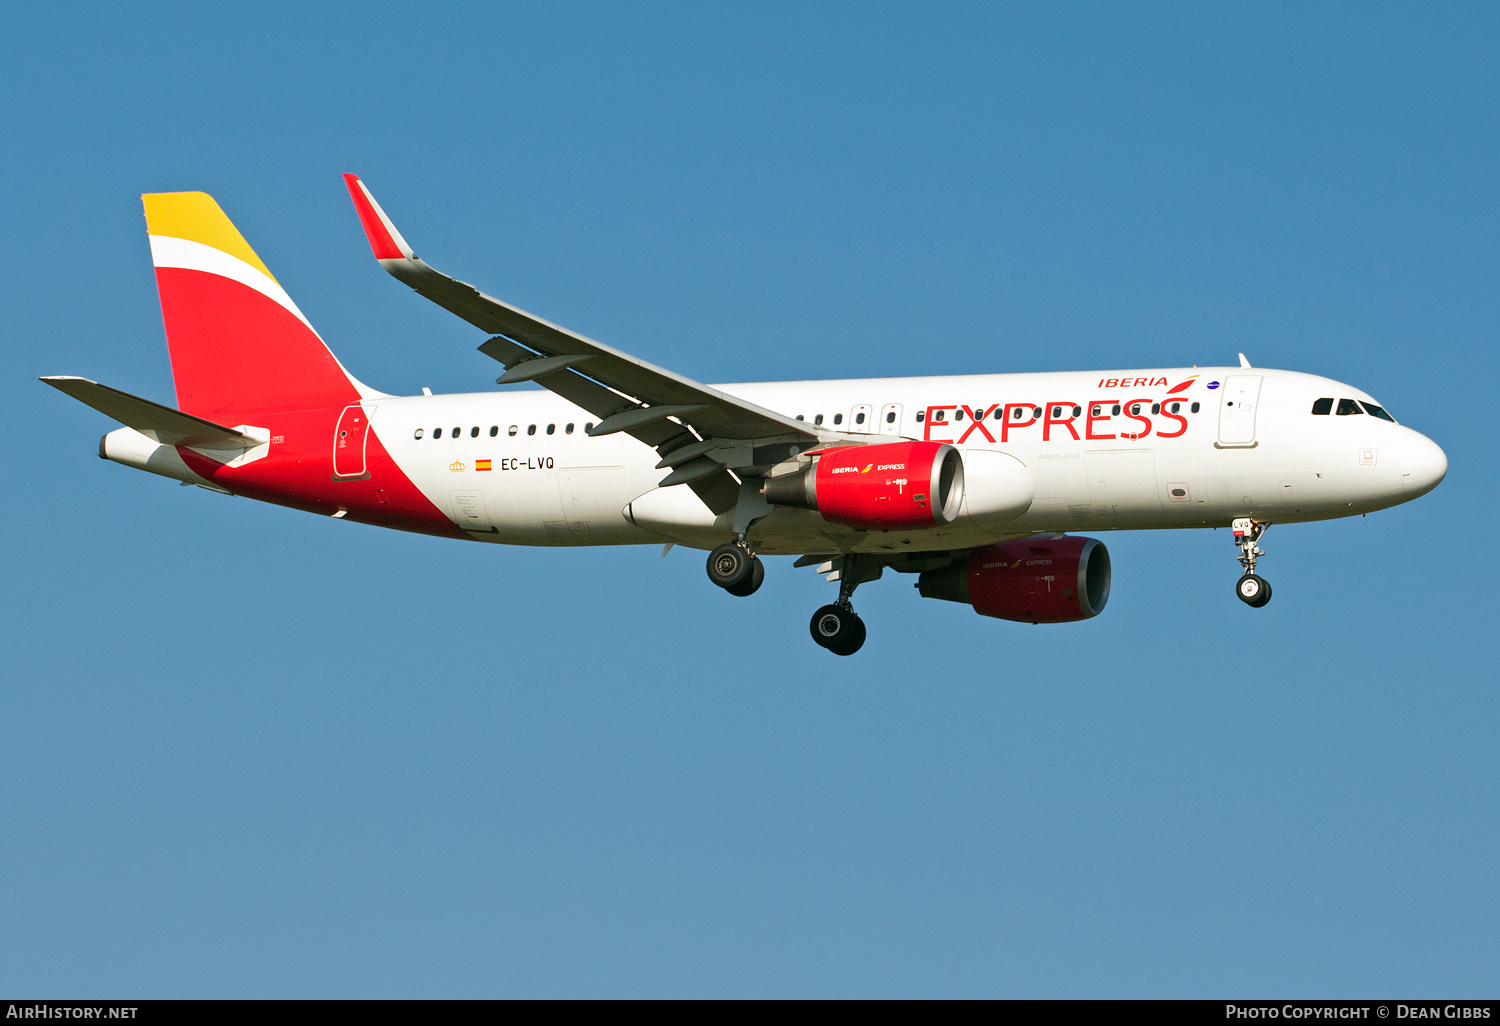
[[1322, 407], [1376, 411], [1348, 406]]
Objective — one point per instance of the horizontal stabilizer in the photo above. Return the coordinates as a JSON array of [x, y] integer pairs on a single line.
[[162, 423]]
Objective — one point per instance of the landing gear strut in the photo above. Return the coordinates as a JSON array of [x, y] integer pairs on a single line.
[[733, 567], [837, 627], [1253, 590]]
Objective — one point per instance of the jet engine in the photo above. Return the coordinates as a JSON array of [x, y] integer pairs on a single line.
[[889, 487], [1030, 580]]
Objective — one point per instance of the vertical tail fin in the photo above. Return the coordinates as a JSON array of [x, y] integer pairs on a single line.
[[239, 345]]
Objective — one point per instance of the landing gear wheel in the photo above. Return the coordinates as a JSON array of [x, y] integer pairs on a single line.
[[838, 629], [731, 564], [1253, 591], [752, 583]]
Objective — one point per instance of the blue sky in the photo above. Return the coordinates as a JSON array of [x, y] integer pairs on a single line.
[[250, 752]]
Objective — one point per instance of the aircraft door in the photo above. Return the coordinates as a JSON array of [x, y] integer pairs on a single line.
[[860, 419], [890, 419], [1237, 403], [591, 497], [469, 512], [349, 442], [1122, 483]]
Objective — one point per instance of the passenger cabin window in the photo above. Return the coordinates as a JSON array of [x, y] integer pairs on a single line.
[[1176, 407], [1376, 411], [1322, 407], [938, 416], [1156, 407], [512, 430], [551, 429], [588, 427], [494, 430], [1193, 408], [1077, 411], [999, 413], [890, 418], [1348, 407], [921, 416], [818, 419], [474, 431], [957, 414], [568, 430], [800, 417], [838, 418], [1115, 410], [531, 429], [417, 434]]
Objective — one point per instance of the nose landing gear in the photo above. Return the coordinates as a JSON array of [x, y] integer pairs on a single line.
[[1253, 590]]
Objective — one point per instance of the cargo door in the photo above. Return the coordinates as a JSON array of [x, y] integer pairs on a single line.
[[591, 496], [1122, 483], [469, 512]]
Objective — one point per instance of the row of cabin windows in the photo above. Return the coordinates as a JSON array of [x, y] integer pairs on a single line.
[[1321, 406], [1349, 408], [859, 418], [1020, 413], [512, 431], [1096, 410]]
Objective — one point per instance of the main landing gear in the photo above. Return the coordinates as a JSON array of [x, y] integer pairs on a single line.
[[837, 627], [1253, 590], [736, 569]]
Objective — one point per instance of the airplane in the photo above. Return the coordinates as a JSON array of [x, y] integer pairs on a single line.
[[973, 483]]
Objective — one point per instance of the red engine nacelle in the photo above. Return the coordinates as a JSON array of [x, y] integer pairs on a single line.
[[1034, 581], [895, 486]]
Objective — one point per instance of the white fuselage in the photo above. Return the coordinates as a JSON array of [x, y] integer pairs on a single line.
[[1252, 448]]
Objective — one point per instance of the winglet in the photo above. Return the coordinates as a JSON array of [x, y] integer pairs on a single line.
[[385, 242]]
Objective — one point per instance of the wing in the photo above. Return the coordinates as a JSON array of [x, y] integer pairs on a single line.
[[699, 431], [160, 423]]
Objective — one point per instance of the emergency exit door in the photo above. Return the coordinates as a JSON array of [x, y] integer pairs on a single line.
[[890, 419]]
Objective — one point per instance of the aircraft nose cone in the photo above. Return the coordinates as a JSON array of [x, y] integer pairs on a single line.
[[1423, 466]]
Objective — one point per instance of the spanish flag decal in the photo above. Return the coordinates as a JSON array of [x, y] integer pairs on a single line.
[[481, 464]]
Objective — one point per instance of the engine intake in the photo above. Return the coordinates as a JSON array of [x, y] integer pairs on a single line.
[[895, 486], [1033, 581]]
